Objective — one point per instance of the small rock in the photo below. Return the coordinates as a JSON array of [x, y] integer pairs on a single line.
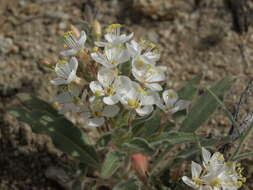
[[6, 45], [153, 36]]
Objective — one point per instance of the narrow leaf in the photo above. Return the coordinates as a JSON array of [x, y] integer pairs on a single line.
[[113, 160], [205, 106], [64, 135], [190, 89]]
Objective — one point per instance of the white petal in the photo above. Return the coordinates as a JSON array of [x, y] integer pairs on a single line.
[[129, 37], [195, 169], [110, 111], [58, 81], [109, 37], [101, 44], [152, 56], [96, 88], [71, 77], [111, 100], [132, 50], [170, 97], [82, 39], [99, 58], [145, 110], [95, 122], [123, 56], [181, 105], [154, 86], [123, 84], [106, 76], [189, 182], [206, 155], [73, 64], [157, 77], [163, 68], [69, 52]]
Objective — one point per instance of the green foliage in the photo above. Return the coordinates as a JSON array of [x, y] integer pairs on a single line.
[[138, 145], [130, 184], [205, 106], [65, 136], [190, 89], [156, 136], [113, 160]]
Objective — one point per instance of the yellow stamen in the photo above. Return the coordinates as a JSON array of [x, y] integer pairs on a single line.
[[62, 62], [95, 49], [97, 93], [140, 63], [216, 182], [133, 103], [67, 34], [197, 181], [112, 26], [171, 95]]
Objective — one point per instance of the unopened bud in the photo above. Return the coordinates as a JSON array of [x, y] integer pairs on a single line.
[[75, 31], [140, 163], [96, 26]]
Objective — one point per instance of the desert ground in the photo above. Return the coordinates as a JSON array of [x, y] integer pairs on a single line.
[[213, 38]]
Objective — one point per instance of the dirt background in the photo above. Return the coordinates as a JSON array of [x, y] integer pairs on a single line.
[[209, 37]]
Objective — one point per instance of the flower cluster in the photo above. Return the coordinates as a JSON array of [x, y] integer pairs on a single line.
[[112, 91], [216, 174]]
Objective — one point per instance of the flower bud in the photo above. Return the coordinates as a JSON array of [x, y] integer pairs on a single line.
[[96, 28], [75, 31], [140, 163]]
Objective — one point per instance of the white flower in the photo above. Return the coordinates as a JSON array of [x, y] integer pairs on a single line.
[[66, 72], [216, 173], [211, 161], [96, 113], [138, 99], [105, 86], [67, 100], [171, 102], [142, 53], [112, 57], [113, 37], [149, 75], [195, 182], [73, 44]]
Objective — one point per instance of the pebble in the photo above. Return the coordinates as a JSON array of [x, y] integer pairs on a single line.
[[6, 45]]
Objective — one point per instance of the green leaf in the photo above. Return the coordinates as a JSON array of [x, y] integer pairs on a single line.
[[205, 106], [64, 134], [175, 138], [130, 184], [125, 68], [114, 159], [149, 127], [243, 156], [138, 145], [104, 140], [37, 104], [190, 89]]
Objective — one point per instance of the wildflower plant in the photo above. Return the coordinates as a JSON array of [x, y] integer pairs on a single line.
[[135, 129]]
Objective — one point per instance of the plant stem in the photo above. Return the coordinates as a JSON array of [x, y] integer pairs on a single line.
[[243, 140]]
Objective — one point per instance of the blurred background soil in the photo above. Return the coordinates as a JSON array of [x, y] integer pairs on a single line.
[[209, 37]]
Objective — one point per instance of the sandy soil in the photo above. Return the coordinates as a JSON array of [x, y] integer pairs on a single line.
[[210, 37]]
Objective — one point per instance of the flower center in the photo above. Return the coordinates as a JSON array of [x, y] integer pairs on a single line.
[[109, 91], [197, 181], [216, 183], [133, 103], [171, 95]]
